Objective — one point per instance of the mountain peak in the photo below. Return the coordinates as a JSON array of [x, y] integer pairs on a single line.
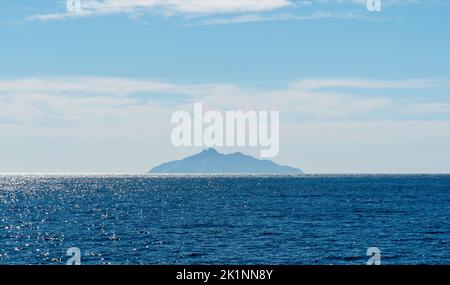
[[210, 151], [211, 161]]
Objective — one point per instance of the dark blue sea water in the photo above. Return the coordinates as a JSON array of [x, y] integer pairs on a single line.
[[225, 219]]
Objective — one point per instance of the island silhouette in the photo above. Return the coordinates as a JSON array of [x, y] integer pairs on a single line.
[[212, 161]]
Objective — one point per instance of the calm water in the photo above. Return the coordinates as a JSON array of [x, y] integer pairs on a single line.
[[224, 220]]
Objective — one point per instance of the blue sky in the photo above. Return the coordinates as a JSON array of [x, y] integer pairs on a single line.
[[93, 91]]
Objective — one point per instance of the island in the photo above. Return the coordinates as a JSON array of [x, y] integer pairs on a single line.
[[212, 161]]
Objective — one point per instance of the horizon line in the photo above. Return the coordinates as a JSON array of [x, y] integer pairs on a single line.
[[212, 174]]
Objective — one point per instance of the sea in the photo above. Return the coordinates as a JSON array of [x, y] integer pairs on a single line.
[[224, 219]]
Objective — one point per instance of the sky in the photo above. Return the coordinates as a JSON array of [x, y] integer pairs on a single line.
[[91, 88]]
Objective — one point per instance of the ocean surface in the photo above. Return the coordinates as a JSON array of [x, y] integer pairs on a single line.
[[157, 219]]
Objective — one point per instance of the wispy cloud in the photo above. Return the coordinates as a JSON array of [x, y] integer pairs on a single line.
[[312, 84], [332, 98], [166, 7], [253, 18], [95, 86]]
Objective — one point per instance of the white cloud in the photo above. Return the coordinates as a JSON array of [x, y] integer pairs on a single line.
[[310, 98], [183, 6], [93, 85], [167, 7], [252, 18], [311, 84]]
